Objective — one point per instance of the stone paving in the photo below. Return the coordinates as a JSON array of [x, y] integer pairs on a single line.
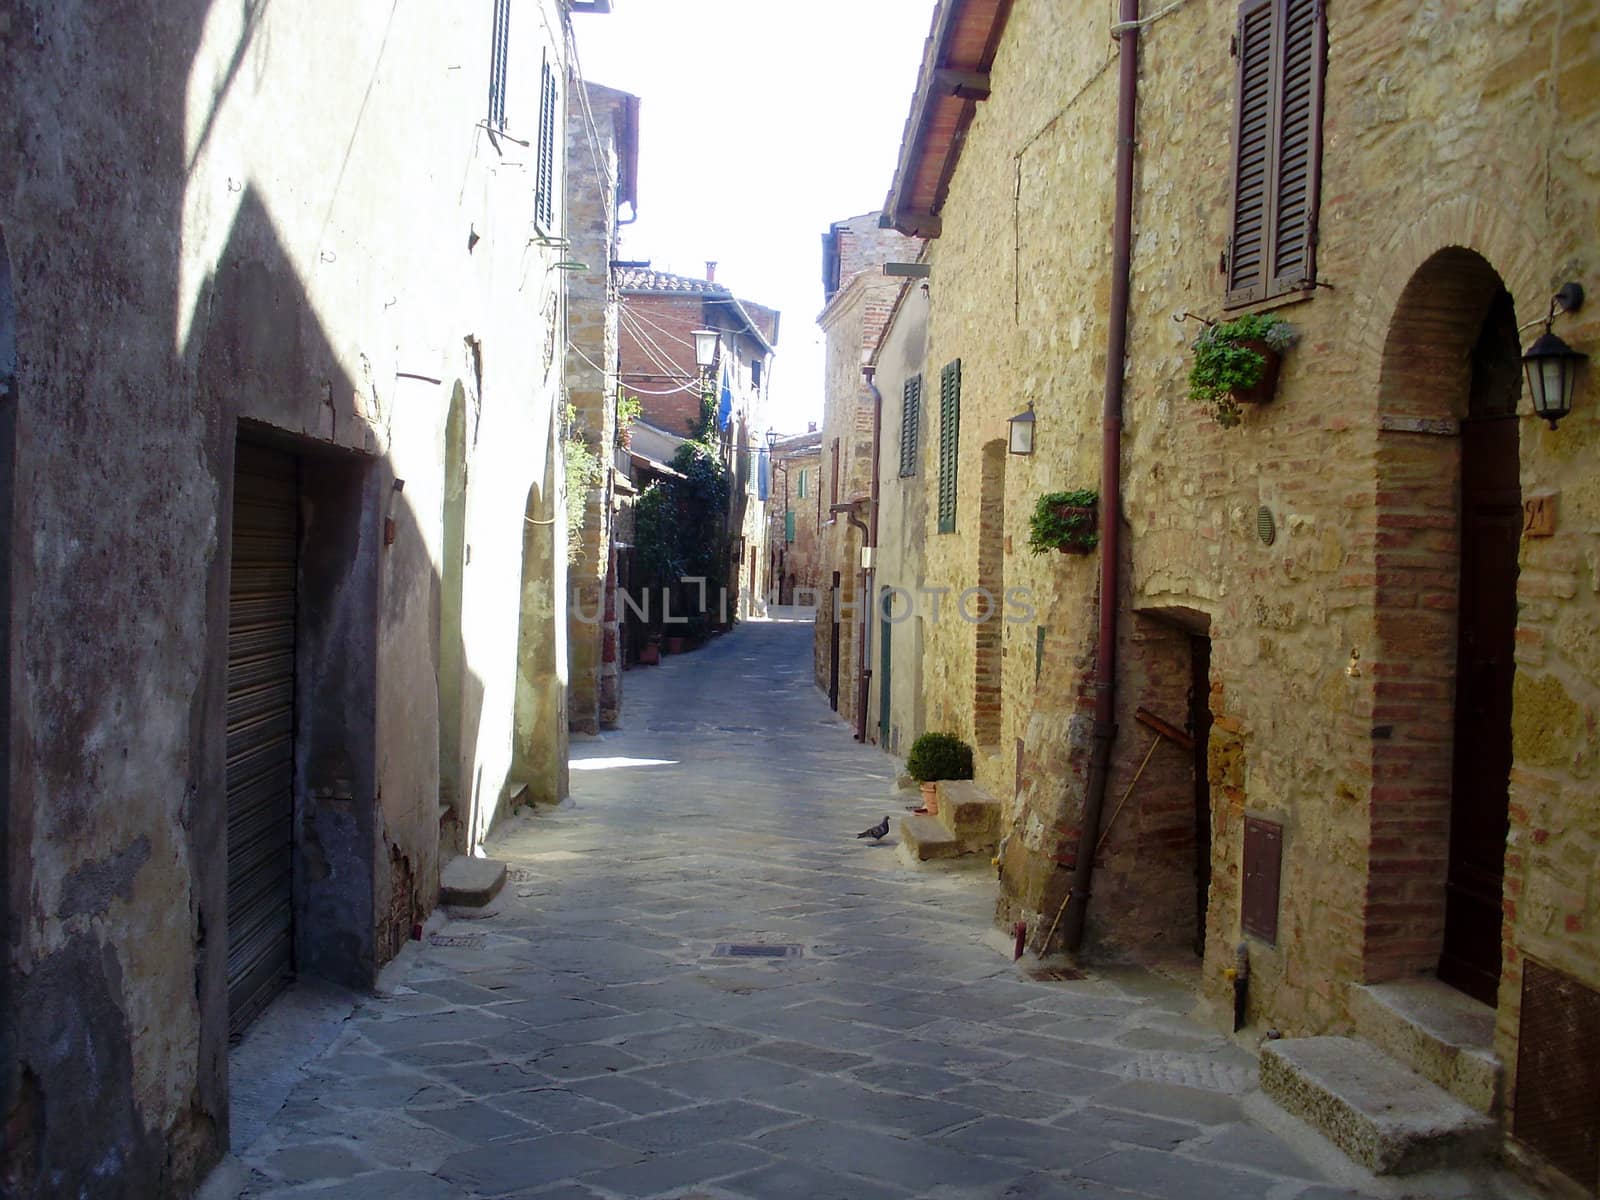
[[590, 1041]]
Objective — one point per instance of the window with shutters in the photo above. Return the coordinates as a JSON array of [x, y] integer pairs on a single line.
[[949, 433], [788, 526], [910, 414], [1281, 46], [499, 38], [545, 196], [802, 484], [833, 483]]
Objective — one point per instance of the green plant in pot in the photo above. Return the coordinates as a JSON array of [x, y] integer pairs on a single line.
[[1236, 362], [1065, 521], [936, 756]]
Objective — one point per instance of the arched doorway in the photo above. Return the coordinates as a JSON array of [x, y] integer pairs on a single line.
[[539, 717], [988, 717], [1449, 526]]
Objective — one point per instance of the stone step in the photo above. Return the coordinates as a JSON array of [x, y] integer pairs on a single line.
[[1378, 1111], [970, 813], [927, 839], [1440, 1033], [471, 882]]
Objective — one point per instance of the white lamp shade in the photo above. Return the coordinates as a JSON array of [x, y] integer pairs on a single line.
[[705, 347], [1022, 424], [1551, 367]]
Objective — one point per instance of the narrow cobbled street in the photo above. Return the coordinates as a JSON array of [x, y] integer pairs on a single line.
[[596, 1038]]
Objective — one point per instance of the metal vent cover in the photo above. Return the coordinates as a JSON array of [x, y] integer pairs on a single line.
[[1558, 1072], [1266, 527], [757, 950]]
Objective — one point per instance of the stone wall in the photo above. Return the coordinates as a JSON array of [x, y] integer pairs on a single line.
[[1332, 648], [281, 225], [593, 177]]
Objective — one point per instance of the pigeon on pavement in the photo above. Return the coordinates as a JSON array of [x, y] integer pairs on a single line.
[[877, 832]]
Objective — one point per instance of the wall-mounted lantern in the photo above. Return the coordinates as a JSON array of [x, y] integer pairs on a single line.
[[772, 438], [705, 347], [1022, 431], [1551, 365]]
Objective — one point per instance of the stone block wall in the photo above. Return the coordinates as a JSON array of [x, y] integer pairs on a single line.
[[1332, 647]]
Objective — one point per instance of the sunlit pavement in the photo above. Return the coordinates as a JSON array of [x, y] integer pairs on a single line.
[[589, 1041]]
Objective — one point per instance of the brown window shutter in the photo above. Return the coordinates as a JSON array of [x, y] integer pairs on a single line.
[[1299, 143], [833, 485], [1255, 110]]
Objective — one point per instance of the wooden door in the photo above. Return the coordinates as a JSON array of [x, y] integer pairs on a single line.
[[1490, 533], [886, 628], [1200, 730]]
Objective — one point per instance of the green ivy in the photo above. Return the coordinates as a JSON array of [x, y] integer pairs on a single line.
[[584, 472], [1051, 529]]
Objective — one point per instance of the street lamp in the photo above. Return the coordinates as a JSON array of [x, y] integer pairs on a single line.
[[1021, 440], [705, 347], [772, 438], [1551, 365]]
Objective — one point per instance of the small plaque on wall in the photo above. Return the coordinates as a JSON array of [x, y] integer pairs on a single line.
[[1263, 865], [1539, 516]]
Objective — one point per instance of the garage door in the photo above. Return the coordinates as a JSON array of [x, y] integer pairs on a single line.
[[260, 778]]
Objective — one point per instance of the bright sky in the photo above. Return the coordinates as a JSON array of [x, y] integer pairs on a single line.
[[761, 122]]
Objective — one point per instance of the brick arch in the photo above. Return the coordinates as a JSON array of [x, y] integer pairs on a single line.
[[1422, 393]]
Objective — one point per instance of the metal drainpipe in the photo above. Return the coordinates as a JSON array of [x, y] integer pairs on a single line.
[[1105, 682], [869, 574]]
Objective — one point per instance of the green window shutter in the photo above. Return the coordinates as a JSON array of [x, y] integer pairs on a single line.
[[544, 202], [910, 416], [788, 526], [949, 432], [802, 492]]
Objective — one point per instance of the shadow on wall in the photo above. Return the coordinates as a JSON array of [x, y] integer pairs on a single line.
[[10, 906]]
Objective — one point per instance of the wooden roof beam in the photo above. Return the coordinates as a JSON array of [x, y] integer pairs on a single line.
[[966, 85]]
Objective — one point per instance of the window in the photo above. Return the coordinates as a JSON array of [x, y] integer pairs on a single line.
[[1281, 46], [497, 64], [755, 372], [545, 197], [788, 525], [910, 414], [802, 484], [949, 432], [833, 484]]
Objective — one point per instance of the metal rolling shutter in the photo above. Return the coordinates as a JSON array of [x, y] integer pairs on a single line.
[[260, 773]]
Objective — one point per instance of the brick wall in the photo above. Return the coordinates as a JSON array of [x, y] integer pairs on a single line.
[[656, 353]]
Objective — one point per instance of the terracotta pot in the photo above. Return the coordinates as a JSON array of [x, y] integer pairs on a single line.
[[673, 645], [930, 798], [1267, 385], [650, 655], [1074, 510]]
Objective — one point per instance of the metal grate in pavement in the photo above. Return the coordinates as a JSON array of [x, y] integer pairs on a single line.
[[757, 950], [458, 941]]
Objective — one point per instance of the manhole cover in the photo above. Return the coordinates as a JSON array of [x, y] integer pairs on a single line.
[[756, 950], [1055, 974], [458, 941]]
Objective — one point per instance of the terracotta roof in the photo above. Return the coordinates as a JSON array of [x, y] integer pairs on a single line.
[[799, 443], [643, 279], [956, 60]]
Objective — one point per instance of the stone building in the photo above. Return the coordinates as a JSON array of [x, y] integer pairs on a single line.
[[857, 299], [1350, 682], [280, 335], [602, 155], [793, 520], [659, 313], [907, 469]]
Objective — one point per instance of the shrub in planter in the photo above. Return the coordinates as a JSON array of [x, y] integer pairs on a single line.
[[1236, 362], [1065, 521], [936, 756]]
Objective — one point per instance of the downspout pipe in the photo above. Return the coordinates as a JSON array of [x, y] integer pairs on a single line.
[[869, 572], [1105, 663]]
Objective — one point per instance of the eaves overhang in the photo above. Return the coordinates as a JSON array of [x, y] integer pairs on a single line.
[[956, 62]]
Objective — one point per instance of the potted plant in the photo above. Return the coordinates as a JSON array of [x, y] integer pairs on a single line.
[[1065, 521], [650, 652], [936, 756], [1236, 362], [629, 410]]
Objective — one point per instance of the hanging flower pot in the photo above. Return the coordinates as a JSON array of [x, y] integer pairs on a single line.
[[1237, 362], [1065, 521]]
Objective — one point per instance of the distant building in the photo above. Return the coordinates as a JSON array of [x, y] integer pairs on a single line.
[[794, 522]]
